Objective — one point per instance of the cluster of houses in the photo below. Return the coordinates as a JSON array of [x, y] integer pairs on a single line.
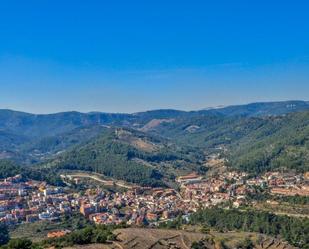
[[288, 184], [30, 201], [33, 201], [227, 187], [139, 206], [234, 186]]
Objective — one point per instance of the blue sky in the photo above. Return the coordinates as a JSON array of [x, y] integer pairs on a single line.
[[127, 56]]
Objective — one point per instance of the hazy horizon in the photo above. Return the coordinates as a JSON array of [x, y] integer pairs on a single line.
[[140, 111]]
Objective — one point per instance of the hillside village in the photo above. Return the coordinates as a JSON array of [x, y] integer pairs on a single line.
[[32, 201]]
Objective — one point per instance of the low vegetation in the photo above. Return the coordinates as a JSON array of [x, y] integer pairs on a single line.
[[81, 235], [293, 230], [38, 231]]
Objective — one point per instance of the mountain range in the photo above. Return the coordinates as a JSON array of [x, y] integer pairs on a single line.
[[154, 147]]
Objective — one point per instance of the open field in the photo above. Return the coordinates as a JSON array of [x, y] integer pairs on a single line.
[[96, 177], [139, 238], [294, 210], [94, 246], [38, 231]]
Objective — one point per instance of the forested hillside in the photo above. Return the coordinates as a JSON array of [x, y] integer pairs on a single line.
[[9, 168], [253, 144], [27, 151], [281, 142], [131, 156], [57, 143]]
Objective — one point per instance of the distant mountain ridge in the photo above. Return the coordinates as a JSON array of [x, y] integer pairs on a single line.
[[33, 125], [263, 108]]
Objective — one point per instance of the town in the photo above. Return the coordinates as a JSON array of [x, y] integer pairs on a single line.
[[31, 201]]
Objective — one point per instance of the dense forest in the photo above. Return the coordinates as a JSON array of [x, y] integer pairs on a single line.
[[282, 142], [131, 156]]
